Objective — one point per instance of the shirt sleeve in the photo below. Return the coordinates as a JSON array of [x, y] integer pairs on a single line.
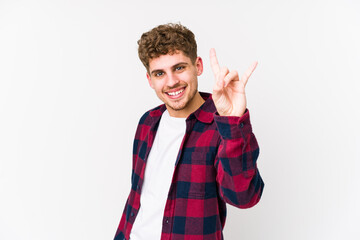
[[238, 177]]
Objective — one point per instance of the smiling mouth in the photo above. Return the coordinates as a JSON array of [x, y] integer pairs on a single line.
[[175, 93]]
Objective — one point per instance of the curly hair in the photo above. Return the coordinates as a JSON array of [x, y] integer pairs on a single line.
[[166, 39]]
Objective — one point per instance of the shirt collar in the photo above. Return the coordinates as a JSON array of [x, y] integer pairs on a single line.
[[205, 113]]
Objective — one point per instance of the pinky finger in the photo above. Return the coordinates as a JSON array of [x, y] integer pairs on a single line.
[[248, 73]]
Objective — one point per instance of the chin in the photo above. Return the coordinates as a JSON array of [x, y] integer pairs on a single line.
[[177, 107]]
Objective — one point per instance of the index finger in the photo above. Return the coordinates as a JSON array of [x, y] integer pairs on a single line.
[[214, 62]]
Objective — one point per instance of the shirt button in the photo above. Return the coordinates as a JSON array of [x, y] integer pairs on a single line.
[[241, 125], [167, 220], [138, 187], [132, 214]]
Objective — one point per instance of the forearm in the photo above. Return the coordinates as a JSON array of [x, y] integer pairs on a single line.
[[240, 183]]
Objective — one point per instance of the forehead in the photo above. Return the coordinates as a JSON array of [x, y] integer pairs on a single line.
[[168, 60]]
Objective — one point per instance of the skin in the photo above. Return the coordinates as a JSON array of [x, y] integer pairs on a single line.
[[229, 90], [172, 73]]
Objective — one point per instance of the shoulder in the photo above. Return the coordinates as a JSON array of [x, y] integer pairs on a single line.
[[148, 117]]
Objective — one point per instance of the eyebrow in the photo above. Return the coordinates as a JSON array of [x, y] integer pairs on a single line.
[[174, 66]]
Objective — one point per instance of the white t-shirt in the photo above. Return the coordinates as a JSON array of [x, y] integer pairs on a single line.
[[158, 176]]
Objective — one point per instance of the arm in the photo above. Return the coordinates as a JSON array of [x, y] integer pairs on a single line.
[[238, 178]]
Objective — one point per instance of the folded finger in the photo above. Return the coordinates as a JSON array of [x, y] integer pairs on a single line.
[[232, 76]]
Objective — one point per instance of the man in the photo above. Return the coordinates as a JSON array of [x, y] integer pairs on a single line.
[[194, 153]]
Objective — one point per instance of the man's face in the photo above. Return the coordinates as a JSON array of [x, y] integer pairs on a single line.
[[174, 79]]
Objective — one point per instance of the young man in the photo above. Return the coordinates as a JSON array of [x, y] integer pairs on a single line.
[[194, 153]]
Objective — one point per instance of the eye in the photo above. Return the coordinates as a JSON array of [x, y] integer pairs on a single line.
[[159, 74], [179, 68]]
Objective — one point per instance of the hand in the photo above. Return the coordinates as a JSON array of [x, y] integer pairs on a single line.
[[229, 91]]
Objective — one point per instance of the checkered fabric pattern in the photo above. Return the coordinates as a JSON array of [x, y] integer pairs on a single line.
[[216, 164]]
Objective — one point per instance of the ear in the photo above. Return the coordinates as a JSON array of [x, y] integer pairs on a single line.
[[149, 80], [199, 66]]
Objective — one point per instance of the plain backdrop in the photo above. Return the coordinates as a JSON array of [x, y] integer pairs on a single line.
[[72, 91]]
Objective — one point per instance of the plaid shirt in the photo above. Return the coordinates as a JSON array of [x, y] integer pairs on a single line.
[[216, 164]]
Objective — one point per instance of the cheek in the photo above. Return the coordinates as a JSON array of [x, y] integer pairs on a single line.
[[192, 79], [157, 86], [188, 77]]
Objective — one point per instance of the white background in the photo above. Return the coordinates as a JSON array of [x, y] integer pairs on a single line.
[[72, 90]]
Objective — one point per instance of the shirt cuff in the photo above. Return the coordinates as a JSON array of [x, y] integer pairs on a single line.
[[231, 127]]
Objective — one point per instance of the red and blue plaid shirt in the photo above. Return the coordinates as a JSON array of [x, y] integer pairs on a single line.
[[216, 164]]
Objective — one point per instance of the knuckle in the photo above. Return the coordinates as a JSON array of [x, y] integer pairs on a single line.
[[224, 70]]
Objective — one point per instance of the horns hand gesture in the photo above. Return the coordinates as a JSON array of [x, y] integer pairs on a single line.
[[229, 89]]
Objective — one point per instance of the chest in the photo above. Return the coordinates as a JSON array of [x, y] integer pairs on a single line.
[[194, 169]]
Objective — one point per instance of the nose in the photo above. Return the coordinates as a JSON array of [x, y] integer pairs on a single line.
[[172, 80]]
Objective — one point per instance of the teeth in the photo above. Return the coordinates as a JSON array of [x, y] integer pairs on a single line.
[[175, 93]]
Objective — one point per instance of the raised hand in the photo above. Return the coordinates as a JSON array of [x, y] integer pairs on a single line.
[[229, 91]]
